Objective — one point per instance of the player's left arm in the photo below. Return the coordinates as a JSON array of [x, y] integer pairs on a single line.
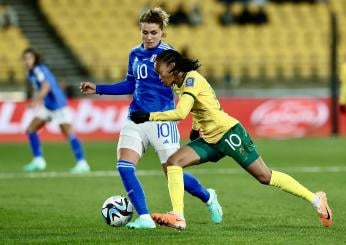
[[181, 111], [42, 93]]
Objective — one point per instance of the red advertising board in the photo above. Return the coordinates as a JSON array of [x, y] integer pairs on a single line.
[[102, 119]]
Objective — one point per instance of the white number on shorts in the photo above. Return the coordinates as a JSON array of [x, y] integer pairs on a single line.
[[233, 141], [142, 71]]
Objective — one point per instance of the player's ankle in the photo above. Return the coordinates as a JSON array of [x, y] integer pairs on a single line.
[[316, 201], [145, 216]]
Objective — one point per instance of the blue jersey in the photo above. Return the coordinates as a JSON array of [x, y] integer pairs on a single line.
[[55, 99], [150, 94]]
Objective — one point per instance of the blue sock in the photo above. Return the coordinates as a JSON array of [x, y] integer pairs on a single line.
[[133, 187], [35, 144], [195, 188], [76, 148]]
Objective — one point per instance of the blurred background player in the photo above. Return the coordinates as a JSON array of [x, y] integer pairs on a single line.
[[51, 104], [221, 135], [149, 94]]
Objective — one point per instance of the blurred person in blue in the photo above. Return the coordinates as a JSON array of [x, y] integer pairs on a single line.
[[149, 94], [51, 105]]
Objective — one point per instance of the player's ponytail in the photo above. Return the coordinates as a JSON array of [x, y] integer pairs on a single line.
[[182, 64]]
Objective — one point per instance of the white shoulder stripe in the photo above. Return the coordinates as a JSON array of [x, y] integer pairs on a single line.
[[165, 45], [39, 74]]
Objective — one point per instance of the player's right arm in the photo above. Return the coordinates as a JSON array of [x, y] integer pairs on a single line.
[[126, 86]]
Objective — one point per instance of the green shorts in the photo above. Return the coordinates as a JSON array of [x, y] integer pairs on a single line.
[[236, 143]]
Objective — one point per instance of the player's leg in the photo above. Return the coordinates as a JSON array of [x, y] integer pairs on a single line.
[[131, 146], [165, 138], [208, 196], [63, 117], [38, 162], [192, 185], [285, 182], [195, 152], [82, 165], [238, 144]]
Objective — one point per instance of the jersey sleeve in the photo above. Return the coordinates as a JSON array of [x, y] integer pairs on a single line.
[[40, 74], [181, 111], [130, 74], [191, 87]]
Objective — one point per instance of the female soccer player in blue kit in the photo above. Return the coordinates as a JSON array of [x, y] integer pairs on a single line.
[[52, 105], [149, 94]]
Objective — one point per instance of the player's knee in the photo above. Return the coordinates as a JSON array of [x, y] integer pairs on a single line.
[[173, 161], [30, 130]]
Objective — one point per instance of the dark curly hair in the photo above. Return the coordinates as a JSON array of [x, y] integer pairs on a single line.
[[182, 64]]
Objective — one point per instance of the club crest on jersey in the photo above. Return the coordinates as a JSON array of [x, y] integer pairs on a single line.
[[190, 81], [153, 58]]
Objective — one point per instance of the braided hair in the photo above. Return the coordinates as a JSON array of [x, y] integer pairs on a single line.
[[182, 64]]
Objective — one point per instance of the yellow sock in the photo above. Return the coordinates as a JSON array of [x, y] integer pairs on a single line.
[[176, 188], [290, 185]]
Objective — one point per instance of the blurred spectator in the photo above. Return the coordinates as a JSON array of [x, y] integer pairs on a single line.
[[228, 2], [259, 15], [195, 16], [227, 17], [179, 17], [245, 16], [9, 17]]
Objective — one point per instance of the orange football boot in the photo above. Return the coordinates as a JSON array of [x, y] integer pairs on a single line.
[[324, 210], [170, 219]]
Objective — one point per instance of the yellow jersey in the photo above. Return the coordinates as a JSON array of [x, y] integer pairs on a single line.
[[197, 97], [342, 97]]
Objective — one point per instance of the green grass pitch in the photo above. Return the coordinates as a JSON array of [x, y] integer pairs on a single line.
[[59, 208]]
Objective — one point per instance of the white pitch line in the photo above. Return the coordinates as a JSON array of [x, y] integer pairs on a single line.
[[216, 171]]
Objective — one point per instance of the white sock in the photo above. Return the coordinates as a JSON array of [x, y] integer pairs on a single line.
[[39, 159], [145, 216], [82, 162], [316, 201], [181, 215], [210, 198]]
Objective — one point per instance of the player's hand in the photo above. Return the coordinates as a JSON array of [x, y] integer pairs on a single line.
[[139, 116], [342, 108], [87, 88], [194, 134]]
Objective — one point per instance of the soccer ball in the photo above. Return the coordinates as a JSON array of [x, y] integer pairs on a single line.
[[117, 211]]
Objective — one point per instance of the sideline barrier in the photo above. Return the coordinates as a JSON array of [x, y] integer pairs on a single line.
[[102, 119]]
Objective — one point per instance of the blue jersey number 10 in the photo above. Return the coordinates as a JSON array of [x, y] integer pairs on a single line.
[[142, 71]]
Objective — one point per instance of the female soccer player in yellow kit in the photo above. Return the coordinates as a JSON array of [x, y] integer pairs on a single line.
[[220, 135]]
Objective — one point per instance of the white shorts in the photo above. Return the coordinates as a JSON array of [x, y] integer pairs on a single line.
[[60, 116], [163, 136]]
